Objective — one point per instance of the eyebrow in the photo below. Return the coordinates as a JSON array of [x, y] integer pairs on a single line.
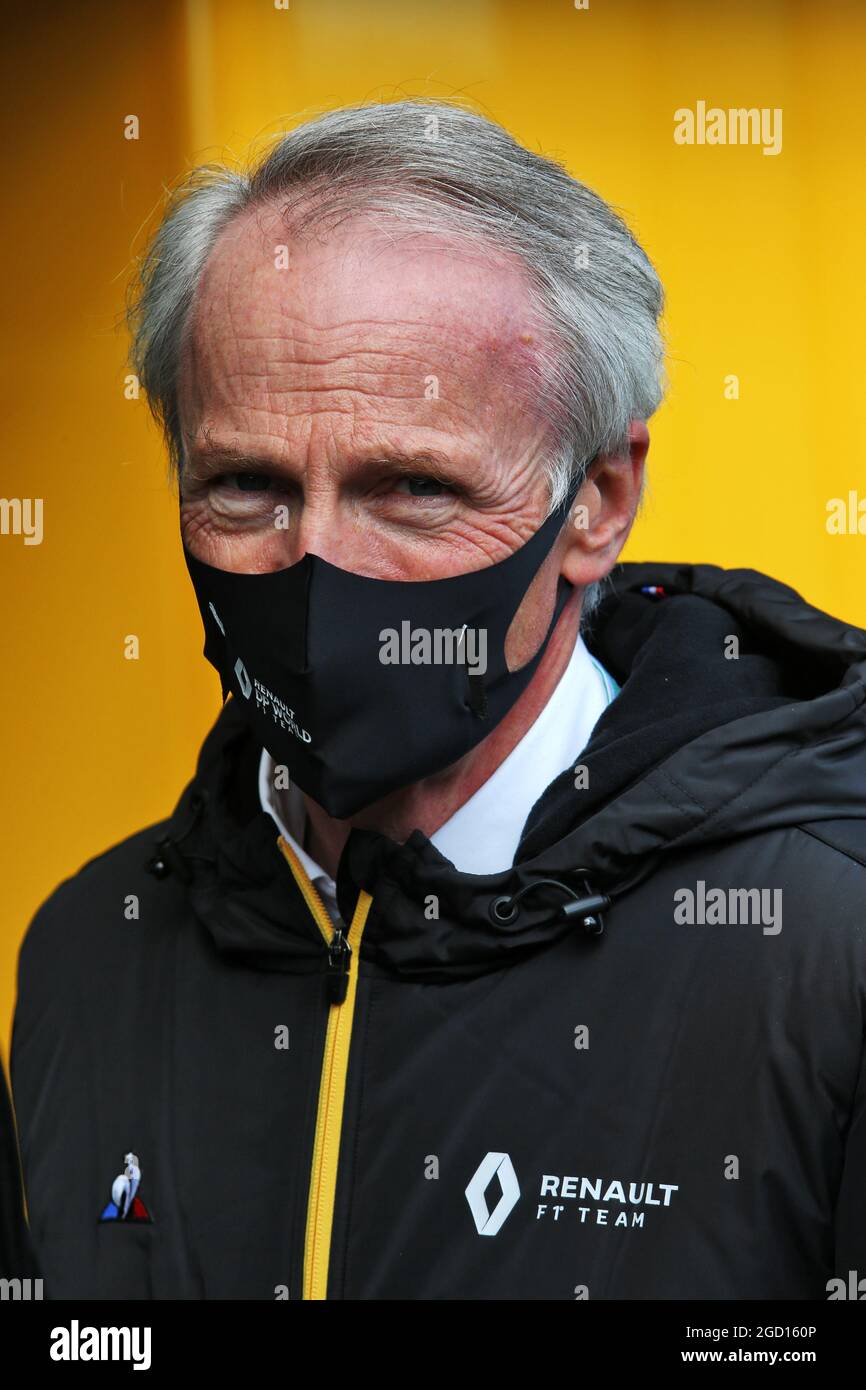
[[207, 460]]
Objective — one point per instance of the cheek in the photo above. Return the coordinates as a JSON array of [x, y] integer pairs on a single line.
[[193, 517], [532, 619], [239, 552]]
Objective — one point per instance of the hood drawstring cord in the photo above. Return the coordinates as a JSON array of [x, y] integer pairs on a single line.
[[168, 857], [587, 909]]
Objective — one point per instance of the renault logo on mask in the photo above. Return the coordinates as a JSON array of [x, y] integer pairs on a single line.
[[244, 681], [493, 1165]]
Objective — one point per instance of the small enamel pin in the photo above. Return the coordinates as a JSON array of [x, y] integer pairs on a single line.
[[125, 1204]]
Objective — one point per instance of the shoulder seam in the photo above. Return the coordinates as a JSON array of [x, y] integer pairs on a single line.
[[74, 879], [822, 839]]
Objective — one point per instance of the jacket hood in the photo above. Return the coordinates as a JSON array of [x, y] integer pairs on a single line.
[[742, 710]]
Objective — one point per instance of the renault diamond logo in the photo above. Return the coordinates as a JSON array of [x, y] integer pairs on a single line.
[[494, 1165], [244, 681]]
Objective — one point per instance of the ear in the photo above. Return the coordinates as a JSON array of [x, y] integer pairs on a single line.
[[604, 510]]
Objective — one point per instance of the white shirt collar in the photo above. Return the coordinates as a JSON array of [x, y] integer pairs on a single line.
[[286, 805], [483, 834]]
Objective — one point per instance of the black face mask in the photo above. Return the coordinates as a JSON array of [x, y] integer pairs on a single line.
[[360, 685]]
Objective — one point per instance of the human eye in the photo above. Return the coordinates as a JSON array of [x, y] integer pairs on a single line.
[[243, 482], [412, 486]]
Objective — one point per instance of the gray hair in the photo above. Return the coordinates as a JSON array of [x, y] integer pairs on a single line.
[[436, 166]]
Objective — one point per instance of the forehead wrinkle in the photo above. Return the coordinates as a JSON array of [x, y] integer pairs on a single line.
[[499, 284], [357, 331], [482, 364], [474, 355]]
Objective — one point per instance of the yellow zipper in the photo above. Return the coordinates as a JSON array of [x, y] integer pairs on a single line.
[[332, 1086]]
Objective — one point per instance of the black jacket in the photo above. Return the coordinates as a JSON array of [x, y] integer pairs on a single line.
[[522, 1108], [16, 1256]]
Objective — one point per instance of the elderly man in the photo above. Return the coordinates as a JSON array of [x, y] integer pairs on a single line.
[[508, 940]]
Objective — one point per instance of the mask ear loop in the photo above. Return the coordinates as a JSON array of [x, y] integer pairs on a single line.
[[475, 681]]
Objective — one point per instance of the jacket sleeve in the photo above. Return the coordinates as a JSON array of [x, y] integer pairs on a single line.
[[46, 1091], [850, 1212], [16, 1254]]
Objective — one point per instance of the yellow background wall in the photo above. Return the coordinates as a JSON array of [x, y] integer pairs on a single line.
[[759, 255]]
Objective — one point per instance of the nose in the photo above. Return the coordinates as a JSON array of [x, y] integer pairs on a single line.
[[316, 529], [330, 530]]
